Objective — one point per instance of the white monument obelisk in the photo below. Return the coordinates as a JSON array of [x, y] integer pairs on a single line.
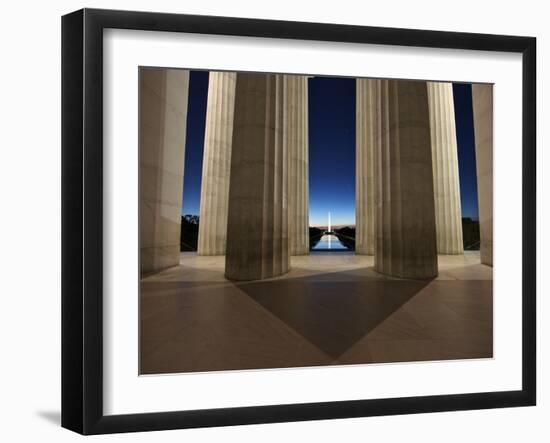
[[329, 230]]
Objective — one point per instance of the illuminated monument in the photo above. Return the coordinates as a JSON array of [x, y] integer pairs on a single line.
[[329, 233]]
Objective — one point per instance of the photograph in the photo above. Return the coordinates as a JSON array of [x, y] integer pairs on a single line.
[[291, 220], [274, 222]]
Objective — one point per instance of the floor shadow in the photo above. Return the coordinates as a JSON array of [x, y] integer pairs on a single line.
[[331, 310], [53, 417]]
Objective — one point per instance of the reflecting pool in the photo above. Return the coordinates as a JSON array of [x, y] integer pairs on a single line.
[[329, 241]]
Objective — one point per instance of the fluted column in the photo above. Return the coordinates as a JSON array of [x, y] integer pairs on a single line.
[[448, 214], [216, 163], [257, 228], [366, 121], [404, 193], [482, 102], [296, 138], [163, 97]]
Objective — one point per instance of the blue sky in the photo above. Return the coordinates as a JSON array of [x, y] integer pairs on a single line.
[[331, 148]]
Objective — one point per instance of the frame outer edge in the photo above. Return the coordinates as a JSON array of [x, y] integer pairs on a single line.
[[72, 221], [529, 220], [92, 197], [82, 215]]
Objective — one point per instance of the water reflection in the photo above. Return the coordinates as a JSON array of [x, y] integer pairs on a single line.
[[329, 241]]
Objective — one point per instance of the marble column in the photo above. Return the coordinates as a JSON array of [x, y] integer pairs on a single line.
[[257, 227], [216, 163], [162, 124], [296, 138], [448, 214], [366, 121], [404, 191], [482, 103]]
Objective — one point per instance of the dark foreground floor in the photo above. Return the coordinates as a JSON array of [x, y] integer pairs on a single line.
[[193, 320]]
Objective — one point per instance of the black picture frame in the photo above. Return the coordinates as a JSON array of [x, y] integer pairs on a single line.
[[82, 219]]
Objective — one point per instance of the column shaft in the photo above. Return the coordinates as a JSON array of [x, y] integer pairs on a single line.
[[257, 228], [216, 163], [482, 102], [405, 225], [366, 124], [162, 123], [448, 214], [296, 138]]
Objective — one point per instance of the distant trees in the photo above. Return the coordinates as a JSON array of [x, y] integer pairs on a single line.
[[346, 235], [189, 232], [192, 219], [315, 235], [470, 234]]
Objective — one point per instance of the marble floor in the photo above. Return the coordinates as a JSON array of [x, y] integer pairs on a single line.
[[332, 308]]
